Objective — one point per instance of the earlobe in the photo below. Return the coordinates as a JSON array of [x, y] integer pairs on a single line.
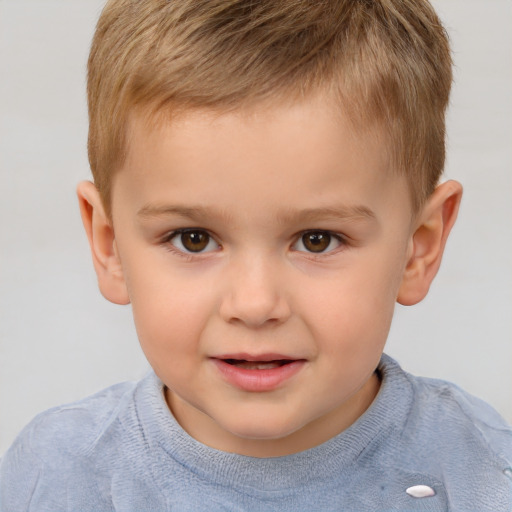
[[101, 238], [428, 241]]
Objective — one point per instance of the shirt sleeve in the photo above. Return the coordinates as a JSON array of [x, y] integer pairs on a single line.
[[20, 472]]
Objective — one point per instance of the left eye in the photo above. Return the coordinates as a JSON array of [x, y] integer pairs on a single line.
[[317, 242], [193, 241]]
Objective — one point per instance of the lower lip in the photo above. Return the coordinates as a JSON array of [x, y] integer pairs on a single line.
[[258, 380]]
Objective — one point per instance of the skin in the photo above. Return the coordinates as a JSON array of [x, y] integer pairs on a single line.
[[252, 183]]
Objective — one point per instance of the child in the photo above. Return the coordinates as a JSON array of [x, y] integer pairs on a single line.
[[266, 188]]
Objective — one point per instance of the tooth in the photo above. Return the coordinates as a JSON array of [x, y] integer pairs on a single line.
[[255, 365]]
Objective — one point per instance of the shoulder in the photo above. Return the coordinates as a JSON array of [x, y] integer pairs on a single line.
[[448, 409], [61, 446], [73, 428], [443, 408], [455, 440], [459, 440]]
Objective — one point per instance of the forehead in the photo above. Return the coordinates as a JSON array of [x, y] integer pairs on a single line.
[[267, 151], [322, 111]]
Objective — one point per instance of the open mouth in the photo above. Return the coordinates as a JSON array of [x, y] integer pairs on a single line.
[[258, 373], [258, 365]]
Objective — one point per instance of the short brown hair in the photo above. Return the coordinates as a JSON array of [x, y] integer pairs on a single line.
[[388, 60]]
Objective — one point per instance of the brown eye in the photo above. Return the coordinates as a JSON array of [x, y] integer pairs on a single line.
[[316, 241], [193, 240]]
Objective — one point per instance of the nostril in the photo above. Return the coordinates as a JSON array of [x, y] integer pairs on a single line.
[[255, 310]]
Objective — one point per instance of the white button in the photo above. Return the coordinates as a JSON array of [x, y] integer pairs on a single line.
[[420, 491]]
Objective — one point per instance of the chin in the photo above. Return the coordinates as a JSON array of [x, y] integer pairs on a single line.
[[262, 429]]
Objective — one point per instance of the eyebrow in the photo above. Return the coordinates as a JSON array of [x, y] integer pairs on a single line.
[[200, 213], [343, 212], [188, 212]]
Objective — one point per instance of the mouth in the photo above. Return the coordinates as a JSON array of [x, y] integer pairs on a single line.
[[258, 365], [258, 373]]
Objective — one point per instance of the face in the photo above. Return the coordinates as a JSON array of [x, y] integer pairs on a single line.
[[262, 252]]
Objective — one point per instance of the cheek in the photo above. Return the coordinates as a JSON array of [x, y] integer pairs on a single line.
[[354, 309], [170, 314]]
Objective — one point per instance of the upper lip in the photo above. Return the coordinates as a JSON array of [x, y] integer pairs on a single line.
[[257, 357]]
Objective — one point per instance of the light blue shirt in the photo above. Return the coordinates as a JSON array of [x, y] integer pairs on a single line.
[[122, 450]]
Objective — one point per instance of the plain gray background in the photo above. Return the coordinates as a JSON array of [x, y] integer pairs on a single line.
[[60, 340]]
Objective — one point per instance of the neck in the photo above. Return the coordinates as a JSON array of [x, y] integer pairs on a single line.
[[313, 434]]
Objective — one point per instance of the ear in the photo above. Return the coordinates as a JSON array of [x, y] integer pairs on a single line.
[[102, 243], [427, 242]]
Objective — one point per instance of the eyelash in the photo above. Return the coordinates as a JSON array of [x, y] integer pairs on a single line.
[[341, 241], [167, 242]]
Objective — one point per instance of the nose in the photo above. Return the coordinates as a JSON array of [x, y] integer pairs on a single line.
[[255, 294]]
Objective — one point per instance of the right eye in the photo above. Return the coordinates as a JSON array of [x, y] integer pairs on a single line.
[[193, 241], [318, 242]]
